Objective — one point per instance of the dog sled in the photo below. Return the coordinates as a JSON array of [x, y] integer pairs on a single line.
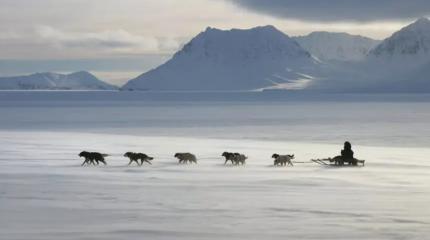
[[339, 162]]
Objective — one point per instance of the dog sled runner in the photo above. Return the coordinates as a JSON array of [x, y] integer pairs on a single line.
[[335, 162]]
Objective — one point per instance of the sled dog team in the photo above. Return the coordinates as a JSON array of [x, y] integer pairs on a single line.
[[96, 158], [346, 157]]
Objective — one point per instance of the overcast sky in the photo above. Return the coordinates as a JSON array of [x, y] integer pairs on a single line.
[[64, 35]]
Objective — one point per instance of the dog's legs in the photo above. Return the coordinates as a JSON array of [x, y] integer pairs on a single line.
[[85, 161]]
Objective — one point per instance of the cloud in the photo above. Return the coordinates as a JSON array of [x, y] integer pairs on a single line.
[[10, 35], [119, 41], [77, 29], [340, 10]]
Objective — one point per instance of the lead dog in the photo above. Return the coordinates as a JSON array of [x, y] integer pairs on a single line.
[[135, 157], [93, 158]]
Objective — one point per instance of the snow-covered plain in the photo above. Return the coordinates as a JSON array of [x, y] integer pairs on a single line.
[[45, 194]]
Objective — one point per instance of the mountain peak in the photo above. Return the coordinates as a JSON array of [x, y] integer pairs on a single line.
[[422, 21], [412, 40], [337, 46], [263, 29], [238, 44], [266, 28], [53, 81], [420, 25], [211, 29], [337, 34], [82, 74], [235, 59]]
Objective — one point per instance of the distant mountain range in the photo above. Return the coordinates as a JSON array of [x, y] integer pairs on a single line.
[[217, 60], [337, 46], [410, 41], [54, 81], [264, 58], [400, 63]]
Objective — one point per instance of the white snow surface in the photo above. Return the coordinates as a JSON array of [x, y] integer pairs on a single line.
[[45, 194], [55, 81], [337, 46]]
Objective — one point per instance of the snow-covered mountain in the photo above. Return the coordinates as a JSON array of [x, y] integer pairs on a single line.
[[54, 81], [401, 63], [217, 60], [410, 41], [337, 46], [265, 58]]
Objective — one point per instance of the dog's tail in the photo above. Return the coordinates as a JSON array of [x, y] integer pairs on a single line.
[[105, 155]]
